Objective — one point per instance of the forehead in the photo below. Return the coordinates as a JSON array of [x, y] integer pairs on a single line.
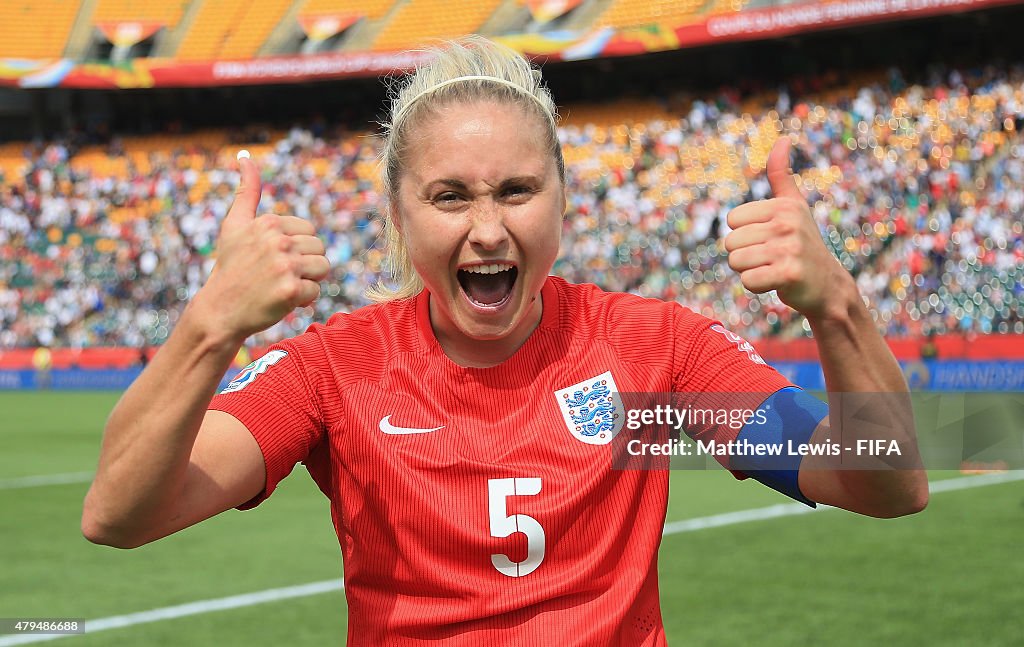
[[476, 140]]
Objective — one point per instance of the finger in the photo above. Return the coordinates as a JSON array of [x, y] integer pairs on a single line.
[[303, 244], [748, 258], [315, 268], [247, 196], [780, 175], [760, 279], [748, 213], [295, 226], [308, 293], [754, 233]]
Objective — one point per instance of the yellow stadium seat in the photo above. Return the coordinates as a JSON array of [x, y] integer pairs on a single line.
[[372, 9], [231, 29], [421, 21], [36, 29], [168, 12]]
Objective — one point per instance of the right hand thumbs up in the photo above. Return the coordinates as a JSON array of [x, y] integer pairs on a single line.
[[266, 265], [247, 196]]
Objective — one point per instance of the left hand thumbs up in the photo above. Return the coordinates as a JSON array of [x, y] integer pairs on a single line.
[[775, 244]]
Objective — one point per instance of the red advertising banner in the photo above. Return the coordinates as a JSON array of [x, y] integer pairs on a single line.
[[813, 16], [749, 24], [165, 73]]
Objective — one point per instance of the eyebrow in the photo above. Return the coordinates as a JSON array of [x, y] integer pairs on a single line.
[[449, 182], [522, 179], [459, 184]]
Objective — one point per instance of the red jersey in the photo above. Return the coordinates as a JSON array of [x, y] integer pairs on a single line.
[[471, 506]]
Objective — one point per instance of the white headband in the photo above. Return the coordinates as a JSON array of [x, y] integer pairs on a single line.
[[474, 77]]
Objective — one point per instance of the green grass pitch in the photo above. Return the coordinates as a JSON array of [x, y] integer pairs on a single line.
[[953, 575]]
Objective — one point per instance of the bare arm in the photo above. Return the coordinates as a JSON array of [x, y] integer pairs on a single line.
[[166, 462], [775, 245], [862, 375], [153, 477]]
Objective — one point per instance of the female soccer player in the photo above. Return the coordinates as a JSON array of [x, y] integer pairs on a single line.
[[463, 427]]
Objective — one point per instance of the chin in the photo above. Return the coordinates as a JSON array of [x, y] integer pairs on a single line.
[[478, 330]]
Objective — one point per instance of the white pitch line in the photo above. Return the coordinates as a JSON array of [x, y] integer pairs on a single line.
[[980, 480], [740, 516], [188, 609], [314, 588], [45, 479], [791, 509]]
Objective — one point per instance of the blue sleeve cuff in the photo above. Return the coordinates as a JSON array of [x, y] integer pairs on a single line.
[[790, 418]]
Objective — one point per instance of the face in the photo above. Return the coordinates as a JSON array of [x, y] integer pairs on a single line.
[[479, 207]]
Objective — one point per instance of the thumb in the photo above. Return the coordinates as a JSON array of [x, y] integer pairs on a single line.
[[780, 175], [247, 196]]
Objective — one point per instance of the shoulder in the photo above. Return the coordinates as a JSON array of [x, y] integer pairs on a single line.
[[587, 303], [362, 343], [387, 317], [627, 321]]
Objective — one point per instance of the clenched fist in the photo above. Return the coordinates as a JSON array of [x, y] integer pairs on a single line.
[[775, 245], [266, 265]]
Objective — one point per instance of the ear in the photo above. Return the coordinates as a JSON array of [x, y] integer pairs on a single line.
[[392, 213], [565, 201]]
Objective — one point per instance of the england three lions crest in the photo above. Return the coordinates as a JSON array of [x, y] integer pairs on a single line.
[[592, 409]]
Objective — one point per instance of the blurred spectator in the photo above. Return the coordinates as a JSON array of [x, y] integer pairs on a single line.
[[929, 350], [42, 362]]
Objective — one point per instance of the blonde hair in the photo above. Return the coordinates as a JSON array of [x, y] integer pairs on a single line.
[[464, 70]]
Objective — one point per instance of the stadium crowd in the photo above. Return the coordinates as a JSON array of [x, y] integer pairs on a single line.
[[919, 189]]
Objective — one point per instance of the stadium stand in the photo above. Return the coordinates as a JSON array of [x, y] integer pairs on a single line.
[[369, 8], [230, 29], [918, 189], [168, 13], [31, 29], [252, 28], [213, 23], [420, 21]]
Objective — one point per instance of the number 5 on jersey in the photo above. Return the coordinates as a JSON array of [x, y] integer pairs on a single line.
[[502, 525]]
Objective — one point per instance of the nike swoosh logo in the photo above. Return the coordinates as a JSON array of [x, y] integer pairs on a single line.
[[388, 428]]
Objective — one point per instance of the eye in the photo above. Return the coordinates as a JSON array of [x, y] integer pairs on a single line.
[[448, 199], [517, 192]]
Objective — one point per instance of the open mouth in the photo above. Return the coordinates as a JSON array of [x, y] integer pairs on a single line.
[[488, 286]]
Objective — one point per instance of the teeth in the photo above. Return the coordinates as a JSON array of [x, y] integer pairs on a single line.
[[493, 268]]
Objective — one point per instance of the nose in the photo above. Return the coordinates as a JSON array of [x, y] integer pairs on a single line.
[[487, 227]]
